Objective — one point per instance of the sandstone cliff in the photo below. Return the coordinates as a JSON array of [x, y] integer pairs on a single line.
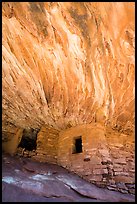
[[65, 64]]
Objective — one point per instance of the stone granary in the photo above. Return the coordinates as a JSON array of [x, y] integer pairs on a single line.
[[68, 87]]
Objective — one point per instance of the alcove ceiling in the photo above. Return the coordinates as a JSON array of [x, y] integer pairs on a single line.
[[67, 63]]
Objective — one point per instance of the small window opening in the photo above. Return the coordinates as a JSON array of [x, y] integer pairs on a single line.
[[28, 140], [77, 148]]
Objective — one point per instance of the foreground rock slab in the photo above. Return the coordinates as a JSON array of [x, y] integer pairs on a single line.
[[31, 181]]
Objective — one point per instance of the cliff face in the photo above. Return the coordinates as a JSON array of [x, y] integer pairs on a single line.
[[65, 64]]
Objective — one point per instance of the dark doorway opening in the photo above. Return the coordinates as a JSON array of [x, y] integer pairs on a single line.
[[29, 139], [77, 148]]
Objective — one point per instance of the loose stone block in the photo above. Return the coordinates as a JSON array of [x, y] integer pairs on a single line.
[[124, 179], [96, 178], [120, 161], [123, 191], [132, 191], [121, 186]]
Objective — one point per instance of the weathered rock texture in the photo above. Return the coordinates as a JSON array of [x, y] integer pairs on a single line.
[[65, 64]]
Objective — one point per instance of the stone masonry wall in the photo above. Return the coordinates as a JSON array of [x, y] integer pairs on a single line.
[[107, 158], [122, 150], [47, 144]]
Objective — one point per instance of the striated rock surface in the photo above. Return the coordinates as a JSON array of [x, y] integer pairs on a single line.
[[65, 64]]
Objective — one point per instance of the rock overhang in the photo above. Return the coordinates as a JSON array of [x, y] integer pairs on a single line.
[[66, 64]]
